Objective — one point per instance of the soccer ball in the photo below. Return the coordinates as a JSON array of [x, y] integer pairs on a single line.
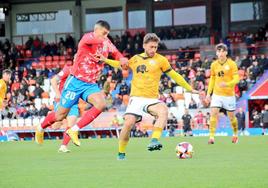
[[184, 150]]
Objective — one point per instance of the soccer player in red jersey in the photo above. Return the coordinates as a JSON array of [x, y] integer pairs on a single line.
[[82, 81]]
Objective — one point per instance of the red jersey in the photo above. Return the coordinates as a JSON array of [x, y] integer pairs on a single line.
[[63, 75], [86, 67]]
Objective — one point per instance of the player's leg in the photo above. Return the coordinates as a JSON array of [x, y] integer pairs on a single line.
[[213, 123], [234, 125], [99, 104], [160, 111], [71, 120], [229, 105], [129, 122], [50, 119]]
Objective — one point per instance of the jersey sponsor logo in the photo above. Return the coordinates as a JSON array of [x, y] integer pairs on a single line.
[[220, 74], [142, 69]]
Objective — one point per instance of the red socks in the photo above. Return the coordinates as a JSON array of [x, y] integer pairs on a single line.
[[66, 138], [49, 120], [88, 117]]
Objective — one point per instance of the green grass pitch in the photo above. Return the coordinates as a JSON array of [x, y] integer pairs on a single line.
[[94, 164]]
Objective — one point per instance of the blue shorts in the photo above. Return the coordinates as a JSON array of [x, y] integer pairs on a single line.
[[74, 111], [75, 89]]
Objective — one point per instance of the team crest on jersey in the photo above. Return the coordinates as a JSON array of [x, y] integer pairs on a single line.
[[63, 101], [227, 67], [152, 62], [61, 73]]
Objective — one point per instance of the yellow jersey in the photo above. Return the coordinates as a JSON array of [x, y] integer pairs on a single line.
[[3, 90], [223, 72], [146, 74]]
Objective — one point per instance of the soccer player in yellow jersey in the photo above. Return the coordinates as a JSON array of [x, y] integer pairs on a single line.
[[147, 69], [224, 77], [3, 85]]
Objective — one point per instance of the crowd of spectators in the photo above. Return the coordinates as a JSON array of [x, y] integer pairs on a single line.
[[27, 83]]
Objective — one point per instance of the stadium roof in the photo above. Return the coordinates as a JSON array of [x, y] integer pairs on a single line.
[[33, 1], [261, 92]]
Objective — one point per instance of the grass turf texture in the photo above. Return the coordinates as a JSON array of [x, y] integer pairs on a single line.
[[94, 164]]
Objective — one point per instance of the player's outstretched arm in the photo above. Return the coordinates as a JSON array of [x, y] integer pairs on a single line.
[[54, 83], [114, 63], [211, 85], [180, 80]]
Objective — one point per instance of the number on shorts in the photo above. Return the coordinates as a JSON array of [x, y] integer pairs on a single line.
[[70, 95]]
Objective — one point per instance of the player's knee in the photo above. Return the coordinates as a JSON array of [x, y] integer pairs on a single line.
[[60, 116], [162, 112], [129, 121], [101, 105]]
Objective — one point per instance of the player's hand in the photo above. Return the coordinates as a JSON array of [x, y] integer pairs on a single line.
[[195, 91], [222, 84], [208, 98], [123, 61], [100, 57]]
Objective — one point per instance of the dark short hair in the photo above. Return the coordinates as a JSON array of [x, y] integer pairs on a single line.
[[150, 37], [7, 71], [221, 46], [104, 24]]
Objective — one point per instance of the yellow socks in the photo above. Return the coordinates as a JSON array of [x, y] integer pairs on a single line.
[[234, 126], [157, 132], [212, 126], [122, 146]]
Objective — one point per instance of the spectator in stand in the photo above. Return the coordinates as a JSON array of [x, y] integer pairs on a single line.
[[106, 85], [37, 91], [102, 80], [32, 72], [172, 124], [29, 43], [69, 42], [250, 43], [263, 62], [61, 49], [16, 84], [137, 49], [242, 85], [264, 119], [245, 62], [33, 111], [124, 89], [115, 121], [206, 64], [22, 90], [169, 100], [187, 119], [254, 71], [117, 75], [109, 101], [25, 72], [117, 102], [200, 119], [192, 104], [256, 119], [241, 118], [36, 47], [43, 110], [39, 78], [128, 51]]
